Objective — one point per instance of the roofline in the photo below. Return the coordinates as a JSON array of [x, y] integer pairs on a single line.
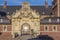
[[18, 5], [50, 23]]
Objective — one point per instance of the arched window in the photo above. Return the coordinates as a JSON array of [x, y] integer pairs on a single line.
[[46, 28], [25, 27], [54, 28], [4, 28]]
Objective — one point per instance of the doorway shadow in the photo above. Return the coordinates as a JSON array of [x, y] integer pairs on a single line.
[[42, 37]]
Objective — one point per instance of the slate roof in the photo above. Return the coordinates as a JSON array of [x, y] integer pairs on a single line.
[[39, 9], [2, 13], [3, 19], [11, 9], [54, 20]]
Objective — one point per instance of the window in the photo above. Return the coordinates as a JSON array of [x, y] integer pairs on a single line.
[[49, 20], [7, 12], [46, 28], [4, 28], [43, 12], [57, 20], [54, 28], [1, 20]]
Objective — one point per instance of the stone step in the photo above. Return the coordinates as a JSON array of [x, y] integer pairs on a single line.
[[24, 37]]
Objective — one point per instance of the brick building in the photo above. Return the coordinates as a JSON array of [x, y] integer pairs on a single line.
[[51, 26], [56, 7], [17, 20], [5, 26]]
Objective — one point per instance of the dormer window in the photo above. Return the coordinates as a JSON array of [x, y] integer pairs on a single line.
[[43, 12], [57, 20], [1, 20], [49, 20], [7, 12]]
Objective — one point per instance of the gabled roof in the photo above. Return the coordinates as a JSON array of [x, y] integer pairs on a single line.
[[54, 20], [3, 19], [39, 9]]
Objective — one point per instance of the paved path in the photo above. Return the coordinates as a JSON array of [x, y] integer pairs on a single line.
[[24, 37]]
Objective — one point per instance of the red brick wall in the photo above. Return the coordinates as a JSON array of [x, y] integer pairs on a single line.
[[5, 36], [9, 27], [55, 35], [8, 33], [59, 8], [1, 28], [50, 27], [58, 27], [42, 28]]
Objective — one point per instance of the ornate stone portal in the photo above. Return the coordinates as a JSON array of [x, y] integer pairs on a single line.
[[24, 20], [25, 29]]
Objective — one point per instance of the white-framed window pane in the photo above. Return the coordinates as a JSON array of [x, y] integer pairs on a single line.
[[46, 28], [54, 28], [49, 20], [58, 20], [1, 20], [4, 28]]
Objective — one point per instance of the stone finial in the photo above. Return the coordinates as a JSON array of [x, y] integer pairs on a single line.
[[4, 4], [25, 6], [46, 3]]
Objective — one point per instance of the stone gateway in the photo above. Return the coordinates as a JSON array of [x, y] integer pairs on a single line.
[[24, 20]]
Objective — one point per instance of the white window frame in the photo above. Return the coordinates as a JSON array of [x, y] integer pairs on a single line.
[[7, 12], [1, 20], [5, 29], [43, 12], [58, 20], [49, 19], [53, 28], [47, 28]]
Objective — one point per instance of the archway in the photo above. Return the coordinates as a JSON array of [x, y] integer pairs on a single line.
[[25, 29]]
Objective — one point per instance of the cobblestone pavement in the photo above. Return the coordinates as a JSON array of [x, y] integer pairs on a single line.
[[24, 37]]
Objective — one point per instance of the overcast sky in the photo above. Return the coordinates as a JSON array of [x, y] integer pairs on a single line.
[[32, 2]]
